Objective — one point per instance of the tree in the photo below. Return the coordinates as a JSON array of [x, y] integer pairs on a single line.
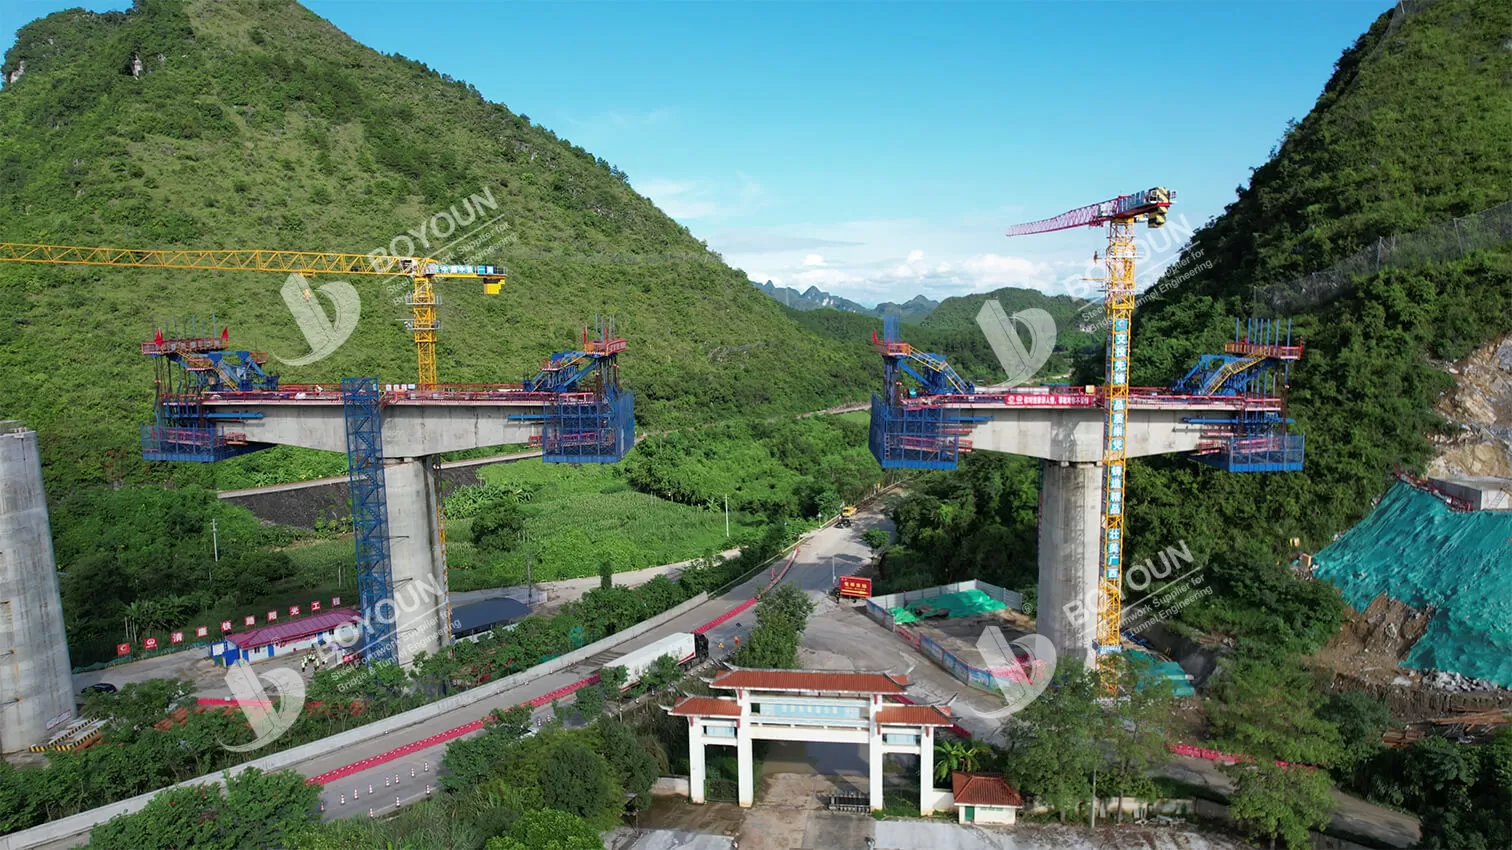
[[1054, 742], [664, 671], [952, 755], [1133, 739], [577, 780], [636, 766], [606, 575], [252, 809], [548, 830], [612, 680], [1271, 801], [1362, 720], [876, 538], [1266, 708], [498, 525], [589, 701]]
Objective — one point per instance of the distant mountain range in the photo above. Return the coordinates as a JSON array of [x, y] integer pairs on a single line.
[[814, 298]]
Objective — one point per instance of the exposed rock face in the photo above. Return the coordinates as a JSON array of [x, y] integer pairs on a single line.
[[136, 65], [1481, 404], [16, 74]]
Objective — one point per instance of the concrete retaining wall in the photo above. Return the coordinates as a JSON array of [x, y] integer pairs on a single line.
[[670, 786], [80, 824]]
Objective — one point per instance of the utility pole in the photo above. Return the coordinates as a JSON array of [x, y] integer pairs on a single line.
[[833, 580], [1094, 796], [214, 546], [727, 515]]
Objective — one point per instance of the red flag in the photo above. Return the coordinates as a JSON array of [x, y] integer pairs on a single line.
[[225, 333], [158, 337]]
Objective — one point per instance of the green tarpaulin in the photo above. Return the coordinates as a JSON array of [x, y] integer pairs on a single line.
[[962, 604], [1414, 549]]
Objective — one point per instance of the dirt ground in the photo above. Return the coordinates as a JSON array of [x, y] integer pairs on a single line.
[[1373, 644], [1367, 654]]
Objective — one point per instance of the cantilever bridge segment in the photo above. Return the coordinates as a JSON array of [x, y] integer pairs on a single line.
[[214, 403], [1229, 412]]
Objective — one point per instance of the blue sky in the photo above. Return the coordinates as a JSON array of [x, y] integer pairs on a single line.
[[880, 150]]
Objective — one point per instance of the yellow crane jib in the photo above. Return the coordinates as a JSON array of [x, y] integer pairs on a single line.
[[421, 270]]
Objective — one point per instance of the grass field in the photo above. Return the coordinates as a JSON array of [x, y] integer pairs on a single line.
[[577, 517]]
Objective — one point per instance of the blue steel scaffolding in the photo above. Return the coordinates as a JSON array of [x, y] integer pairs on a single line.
[[916, 437], [189, 361], [361, 403], [600, 430]]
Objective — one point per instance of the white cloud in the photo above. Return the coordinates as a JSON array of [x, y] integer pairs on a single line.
[[813, 260], [689, 200], [866, 261]]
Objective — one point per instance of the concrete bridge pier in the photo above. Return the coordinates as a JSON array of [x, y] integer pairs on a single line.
[[423, 615], [1070, 516]]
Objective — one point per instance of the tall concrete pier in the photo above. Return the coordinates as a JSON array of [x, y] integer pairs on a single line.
[[417, 426], [36, 685]]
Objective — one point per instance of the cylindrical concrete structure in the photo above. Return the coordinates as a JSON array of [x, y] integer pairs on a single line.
[[415, 549], [36, 682], [1070, 515]]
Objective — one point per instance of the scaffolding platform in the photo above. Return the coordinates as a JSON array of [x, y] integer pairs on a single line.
[[922, 437], [202, 444], [1268, 453], [593, 429]]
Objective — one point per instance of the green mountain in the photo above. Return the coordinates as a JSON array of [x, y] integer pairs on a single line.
[[257, 124], [912, 310], [1413, 129]]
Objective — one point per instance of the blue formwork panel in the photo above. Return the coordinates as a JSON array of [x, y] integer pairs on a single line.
[[599, 431], [1277, 453], [913, 438], [191, 445]]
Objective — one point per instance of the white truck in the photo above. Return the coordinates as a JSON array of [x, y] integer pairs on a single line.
[[683, 646]]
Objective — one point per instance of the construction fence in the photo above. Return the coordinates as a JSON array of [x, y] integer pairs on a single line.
[[1450, 240], [883, 608]]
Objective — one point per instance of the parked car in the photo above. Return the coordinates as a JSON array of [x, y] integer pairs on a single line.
[[99, 688]]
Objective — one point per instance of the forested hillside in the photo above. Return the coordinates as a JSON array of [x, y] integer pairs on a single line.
[[1414, 128], [193, 123]]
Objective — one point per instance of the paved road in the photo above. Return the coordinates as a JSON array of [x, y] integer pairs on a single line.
[[811, 570]]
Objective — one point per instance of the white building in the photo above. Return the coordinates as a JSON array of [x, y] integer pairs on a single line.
[[984, 798], [807, 705]]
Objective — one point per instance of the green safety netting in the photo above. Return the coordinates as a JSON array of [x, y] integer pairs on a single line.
[[963, 604], [1415, 549]]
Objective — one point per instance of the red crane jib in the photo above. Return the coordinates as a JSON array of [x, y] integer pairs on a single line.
[[1123, 206]]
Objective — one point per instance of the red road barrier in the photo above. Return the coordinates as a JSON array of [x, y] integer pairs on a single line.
[[399, 752], [443, 737]]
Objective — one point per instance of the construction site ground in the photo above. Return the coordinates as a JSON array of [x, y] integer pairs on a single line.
[[842, 637], [1368, 652], [959, 635]]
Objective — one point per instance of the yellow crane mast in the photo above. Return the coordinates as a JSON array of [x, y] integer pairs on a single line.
[[1120, 215]]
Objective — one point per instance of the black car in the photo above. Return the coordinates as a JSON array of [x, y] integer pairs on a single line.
[[99, 688]]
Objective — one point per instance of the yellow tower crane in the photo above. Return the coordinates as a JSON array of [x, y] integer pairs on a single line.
[[422, 272], [1120, 215]]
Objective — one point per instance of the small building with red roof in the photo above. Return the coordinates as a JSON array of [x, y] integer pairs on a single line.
[[984, 798], [870, 709], [277, 639]]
